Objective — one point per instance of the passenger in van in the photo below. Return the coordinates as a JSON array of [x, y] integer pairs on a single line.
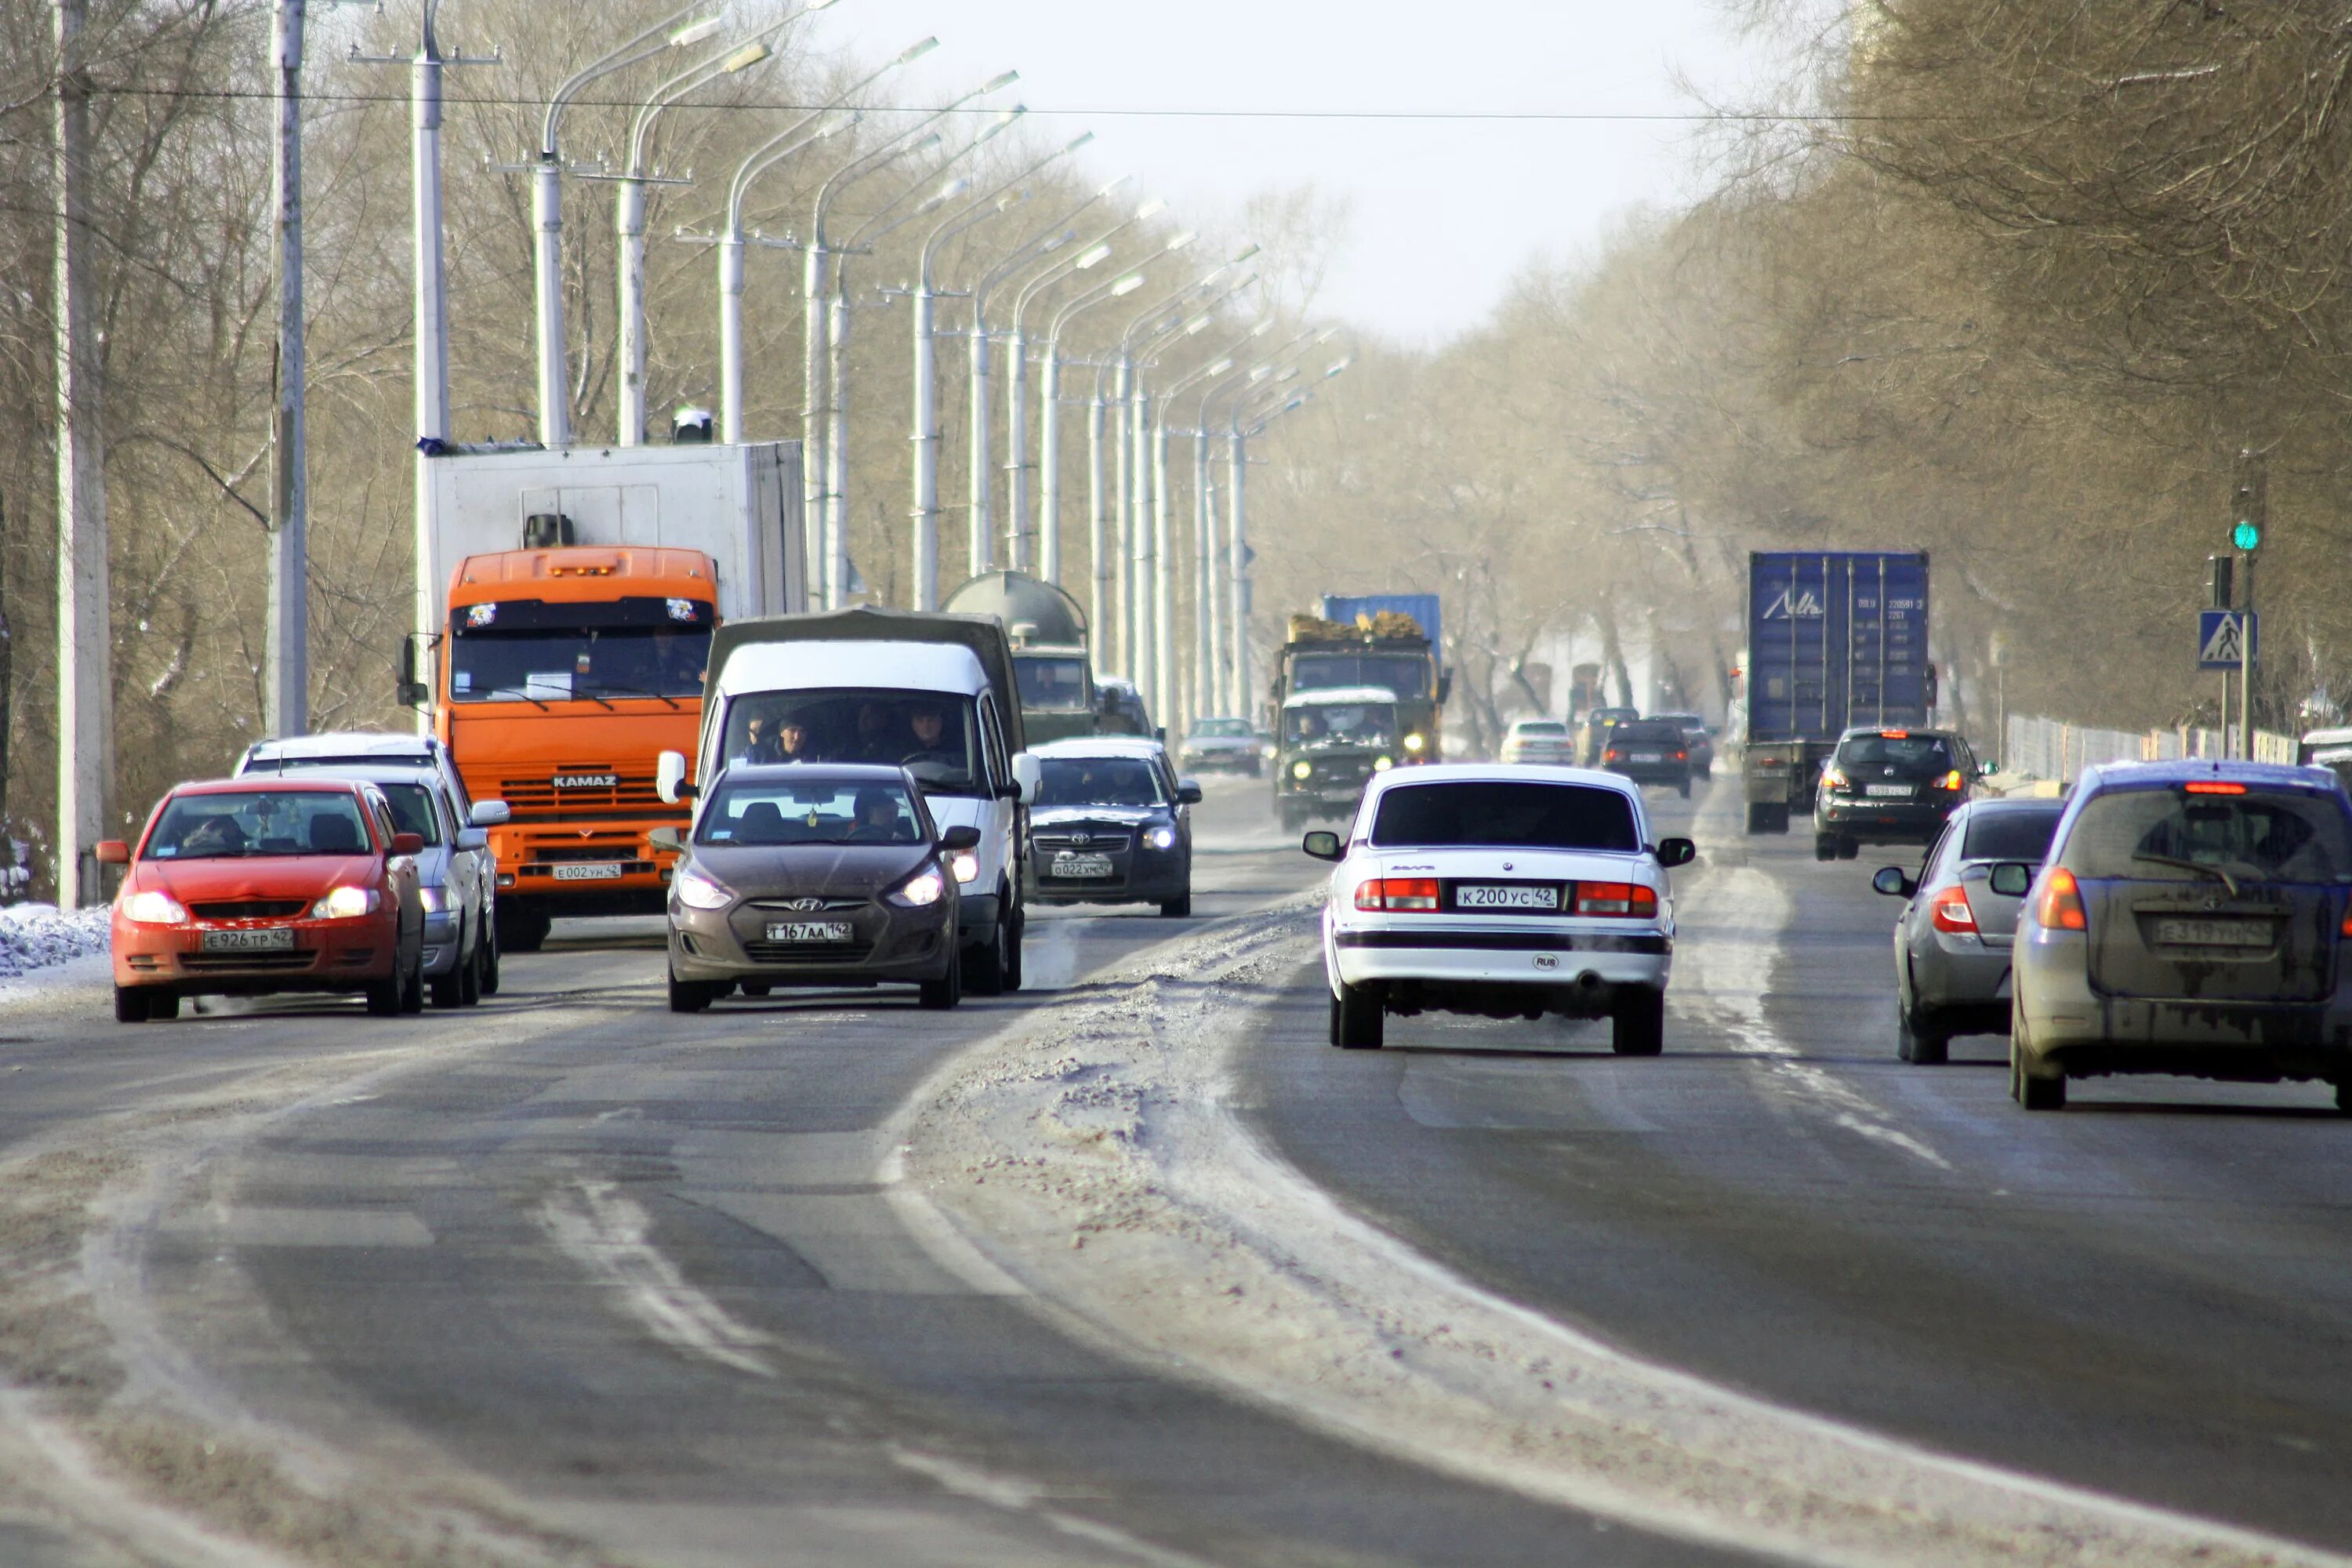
[[784, 740], [878, 737]]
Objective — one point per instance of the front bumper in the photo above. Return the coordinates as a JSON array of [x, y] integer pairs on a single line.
[[1139, 876], [886, 943], [328, 955], [441, 938]]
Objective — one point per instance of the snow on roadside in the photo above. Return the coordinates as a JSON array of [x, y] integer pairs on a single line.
[[40, 936]]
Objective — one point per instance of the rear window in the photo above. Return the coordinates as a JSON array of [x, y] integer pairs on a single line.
[[2169, 835], [1540, 728], [2010, 835], [1647, 730], [1927, 753], [1515, 815]]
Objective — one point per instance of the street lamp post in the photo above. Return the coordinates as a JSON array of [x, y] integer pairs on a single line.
[[1049, 410], [1257, 419], [547, 213]]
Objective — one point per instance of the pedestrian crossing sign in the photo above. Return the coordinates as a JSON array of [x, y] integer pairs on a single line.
[[2227, 638]]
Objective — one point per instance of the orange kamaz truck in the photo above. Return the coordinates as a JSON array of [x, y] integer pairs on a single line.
[[577, 592]]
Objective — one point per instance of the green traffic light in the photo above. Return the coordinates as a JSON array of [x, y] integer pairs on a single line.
[[2246, 536]]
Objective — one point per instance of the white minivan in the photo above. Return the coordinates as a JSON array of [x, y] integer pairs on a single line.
[[934, 694]]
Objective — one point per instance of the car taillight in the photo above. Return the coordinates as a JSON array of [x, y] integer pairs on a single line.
[[2060, 908], [1682, 756], [1630, 899], [1949, 912], [1610, 755], [1952, 780], [1833, 778], [1393, 894]]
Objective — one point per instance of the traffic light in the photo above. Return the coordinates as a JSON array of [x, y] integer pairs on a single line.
[[2249, 502]]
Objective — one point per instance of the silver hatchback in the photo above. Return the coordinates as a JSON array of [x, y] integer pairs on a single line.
[[2191, 919], [1952, 939]]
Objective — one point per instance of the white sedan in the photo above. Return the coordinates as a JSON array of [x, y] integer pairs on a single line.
[[1506, 893]]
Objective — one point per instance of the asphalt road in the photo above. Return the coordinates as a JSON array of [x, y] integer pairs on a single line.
[[621, 1285], [2150, 1294]]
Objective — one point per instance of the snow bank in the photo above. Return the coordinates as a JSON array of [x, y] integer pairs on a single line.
[[40, 936]]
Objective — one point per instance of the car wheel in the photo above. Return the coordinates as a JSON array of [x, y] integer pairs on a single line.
[[754, 987], [944, 992], [384, 995], [1921, 1047], [688, 996], [1359, 1017], [132, 1005], [469, 965], [983, 965], [1637, 1027], [449, 990], [162, 1007], [1849, 848], [1824, 846], [1681, 786], [1177, 908], [412, 986], [2344, 1097], [2044, 1094], [491, 958]]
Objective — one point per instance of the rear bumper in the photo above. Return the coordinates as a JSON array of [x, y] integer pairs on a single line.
[[1893, 822], [1500, 956], [2073, 1028], [1652, 772]]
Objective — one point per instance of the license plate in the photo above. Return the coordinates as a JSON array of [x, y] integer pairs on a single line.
[[589, 871], [1649, 757], [1082, 865], [1888, 792], [808, 930], [2213, 934], [1467, 897], [280, 940]]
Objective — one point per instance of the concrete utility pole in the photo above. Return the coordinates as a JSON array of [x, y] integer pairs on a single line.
[[286, 657], [85, 661]]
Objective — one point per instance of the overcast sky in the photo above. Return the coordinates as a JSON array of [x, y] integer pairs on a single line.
[[1443, 212]]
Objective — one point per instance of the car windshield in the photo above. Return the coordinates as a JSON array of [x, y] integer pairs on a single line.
[[545, 664], [2010, 833], [1912, 754], [1058, 685], [1221, 730], [228, 825], [1512, 815], [820, 810], [2169, 835], [1098, 781], [1405, 674], [932, 735], [411, 811], [1339, 724]]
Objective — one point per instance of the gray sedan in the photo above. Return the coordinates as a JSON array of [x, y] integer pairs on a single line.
[[1952, 939]]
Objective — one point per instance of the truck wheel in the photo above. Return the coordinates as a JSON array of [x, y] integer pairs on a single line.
[[1759, 817], [1359, 1019], [1637, 1027], [130, 1004], [1013, 949], [522, 930], [1777, 821]]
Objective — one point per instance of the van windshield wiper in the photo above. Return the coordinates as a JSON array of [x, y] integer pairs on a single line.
[[2199, 867]]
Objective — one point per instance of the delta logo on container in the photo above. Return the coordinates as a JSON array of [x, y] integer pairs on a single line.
[[1794, 604]]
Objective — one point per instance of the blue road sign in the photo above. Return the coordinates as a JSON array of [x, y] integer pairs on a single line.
[[2225, 637]]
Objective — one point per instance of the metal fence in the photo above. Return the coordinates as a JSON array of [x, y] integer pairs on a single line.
[[2041, 748]]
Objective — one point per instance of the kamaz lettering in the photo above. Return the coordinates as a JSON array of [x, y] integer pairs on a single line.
[[587, 781]]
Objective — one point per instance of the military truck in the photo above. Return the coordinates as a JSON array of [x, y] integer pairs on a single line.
[[1048, 633]]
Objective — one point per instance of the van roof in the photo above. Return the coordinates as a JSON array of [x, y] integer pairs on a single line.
[[887, 665]]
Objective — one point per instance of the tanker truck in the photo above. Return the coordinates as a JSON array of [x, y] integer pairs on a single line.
[[1048, 633]]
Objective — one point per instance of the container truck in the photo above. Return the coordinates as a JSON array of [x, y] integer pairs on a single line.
[[1836, 638], [579, 588], [1048, 633]]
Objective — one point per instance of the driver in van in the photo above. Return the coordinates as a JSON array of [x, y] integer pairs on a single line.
[[929, 726]]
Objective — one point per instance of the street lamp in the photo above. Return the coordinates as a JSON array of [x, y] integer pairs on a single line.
[[825, 418], [547, 211], [925, 435], [730, 242], [1099, 611], [1237, 541], [629, 209]]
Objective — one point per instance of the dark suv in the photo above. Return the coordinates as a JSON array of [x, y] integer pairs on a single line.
[[1890, 786], [1649, 751]]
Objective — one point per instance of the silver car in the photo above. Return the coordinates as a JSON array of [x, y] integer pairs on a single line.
[[2190, 921], [1952, 939]]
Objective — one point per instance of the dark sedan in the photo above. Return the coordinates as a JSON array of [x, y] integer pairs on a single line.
[[1648, 750], [1890, 786], [812, 875], [1111, 826]]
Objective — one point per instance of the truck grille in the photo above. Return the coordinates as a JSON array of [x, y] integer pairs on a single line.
[[620, 848], [538, 795]]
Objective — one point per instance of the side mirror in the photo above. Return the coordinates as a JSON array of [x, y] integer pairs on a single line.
[[408, 843], [957, 839], [472, 838], [1444, 686], [490, 813], [1986, 770], [1188, 792], [1894, 881], [1029, 774], [669, 778], [1159, 733], [666, 838], [113, 852], [410, 690], [2011, 878], [1676, 852], [1323, 843]]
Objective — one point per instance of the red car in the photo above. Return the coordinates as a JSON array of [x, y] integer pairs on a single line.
[[244, 888]]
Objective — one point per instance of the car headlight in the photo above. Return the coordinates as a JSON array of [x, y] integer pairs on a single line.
[[154, 910], [1383, 765], [1301, 770], [697, 891], [346, 904], [925, 887], [434, 900], [1161, 837], [966, 865], [1415, 743]]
